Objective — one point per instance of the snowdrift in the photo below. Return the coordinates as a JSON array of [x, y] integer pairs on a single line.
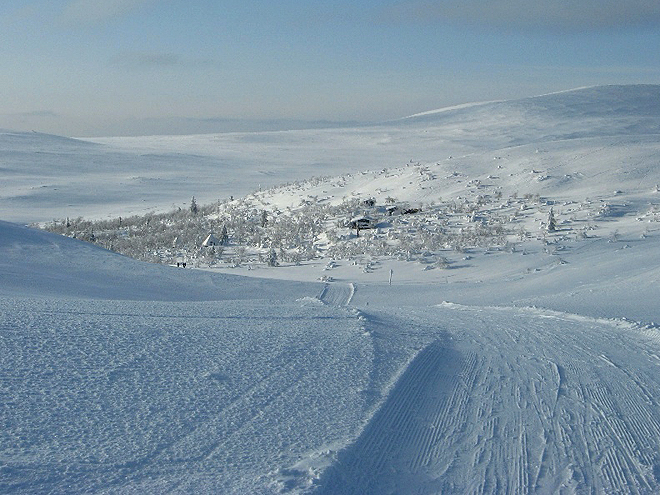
[[34, 263]]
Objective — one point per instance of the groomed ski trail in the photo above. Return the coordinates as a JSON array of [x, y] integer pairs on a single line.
[[337, 294], [513, 401]]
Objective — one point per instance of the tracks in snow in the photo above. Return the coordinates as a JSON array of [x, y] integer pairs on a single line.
[[403, 433], [336, 294], [144, 397], [514, 401]]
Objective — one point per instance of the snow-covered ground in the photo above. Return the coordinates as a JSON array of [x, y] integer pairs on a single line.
[[530, 368]]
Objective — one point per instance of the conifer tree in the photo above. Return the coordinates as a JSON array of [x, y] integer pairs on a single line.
[[552, 222]]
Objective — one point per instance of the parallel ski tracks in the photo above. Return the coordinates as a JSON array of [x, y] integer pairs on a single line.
[[337, 294], [516, 403]]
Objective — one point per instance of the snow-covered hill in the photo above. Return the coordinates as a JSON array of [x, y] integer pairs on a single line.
[[37, 264], [46, 177], [524, 367]]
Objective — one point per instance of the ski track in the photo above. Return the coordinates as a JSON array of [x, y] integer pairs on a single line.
[[129, 397], [514, 401], [337, 294]]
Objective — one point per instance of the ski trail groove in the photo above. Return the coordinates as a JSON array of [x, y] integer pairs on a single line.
[[514, 401], [401, 435], [337, 294]]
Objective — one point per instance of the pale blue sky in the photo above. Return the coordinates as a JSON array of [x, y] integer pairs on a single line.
[[126, 67]]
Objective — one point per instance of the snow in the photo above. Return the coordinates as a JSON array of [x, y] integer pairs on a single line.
[[525, 370], [516, 401], [35, 264], [135, 396], [447, 109]]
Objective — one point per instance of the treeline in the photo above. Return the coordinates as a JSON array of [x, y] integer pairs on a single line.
[[245, 232]]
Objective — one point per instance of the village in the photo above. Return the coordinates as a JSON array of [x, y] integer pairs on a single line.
[[309, 221]]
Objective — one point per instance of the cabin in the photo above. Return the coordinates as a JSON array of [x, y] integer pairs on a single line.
[[360, 223], [210, 241]]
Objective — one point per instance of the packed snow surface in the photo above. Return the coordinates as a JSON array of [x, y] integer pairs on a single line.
[[533, 368]]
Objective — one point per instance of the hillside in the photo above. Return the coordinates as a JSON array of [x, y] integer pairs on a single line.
[[38, 264], [127, 176], [471, 342], [322, 388], [442, 222]]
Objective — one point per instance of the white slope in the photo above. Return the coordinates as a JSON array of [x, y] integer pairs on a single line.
[[252, 395], [506, 400], [149, 397], [246, 397], [37, 264], [122, 377], [46, 177]]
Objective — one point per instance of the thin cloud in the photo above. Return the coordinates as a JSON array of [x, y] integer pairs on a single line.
[[96, 11], [553, 15], [41, 114], [144, 60]]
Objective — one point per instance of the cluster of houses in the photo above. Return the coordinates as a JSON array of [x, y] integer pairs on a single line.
[[360, 222], [366, 221]]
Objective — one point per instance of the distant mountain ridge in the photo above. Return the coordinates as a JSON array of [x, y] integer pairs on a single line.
[[45, 177], [637, 99], [598, 111]]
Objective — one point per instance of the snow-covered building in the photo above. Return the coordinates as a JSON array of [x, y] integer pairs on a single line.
[[362, 222], [210, 241]]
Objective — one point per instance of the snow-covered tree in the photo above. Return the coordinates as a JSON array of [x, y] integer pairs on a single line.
[[224, 235], [272, 258], [552, 222]]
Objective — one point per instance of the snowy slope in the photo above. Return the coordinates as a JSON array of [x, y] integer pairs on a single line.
[[540, 375], [505, 400], [46, 177], [243, 396], [135, 397], [117, 375], [38, 264]]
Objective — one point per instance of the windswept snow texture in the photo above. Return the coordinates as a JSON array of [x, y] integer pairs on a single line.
[[131, 397], [541, 375], [102, 391], [258, 396]]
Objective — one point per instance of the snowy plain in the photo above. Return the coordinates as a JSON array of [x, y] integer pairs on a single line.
[[525, 370]]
